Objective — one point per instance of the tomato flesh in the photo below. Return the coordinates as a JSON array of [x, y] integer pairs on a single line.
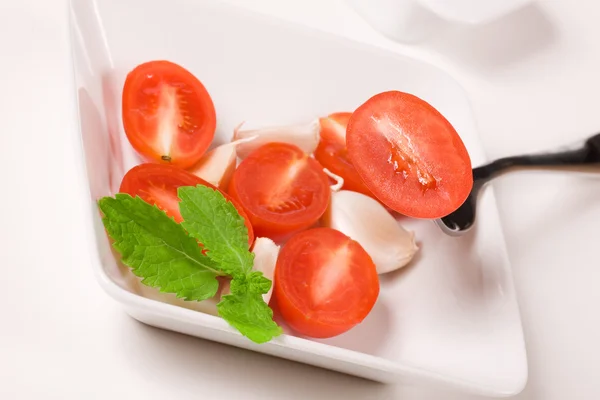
[[168, 115], [333, 155], [158, 183], [325, 283], [409, 155], [282, 189]]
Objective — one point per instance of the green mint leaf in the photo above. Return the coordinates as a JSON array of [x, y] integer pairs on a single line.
[[246, 310], [158, 249], [215, 222]]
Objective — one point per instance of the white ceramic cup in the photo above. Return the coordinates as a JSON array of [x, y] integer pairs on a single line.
[[411, 21]]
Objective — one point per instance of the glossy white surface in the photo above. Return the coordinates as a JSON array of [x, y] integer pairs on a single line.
[[533, 83], [450, 319]]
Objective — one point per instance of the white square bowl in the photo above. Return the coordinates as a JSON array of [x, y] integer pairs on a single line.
[[451, 318]]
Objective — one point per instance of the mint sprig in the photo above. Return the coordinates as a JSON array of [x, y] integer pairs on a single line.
[[214, 221], [167, 256]]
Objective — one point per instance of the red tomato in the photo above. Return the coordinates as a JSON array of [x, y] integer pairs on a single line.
[[409, 155], [157, 184], [333, 155], [168, 115], [282, 189], [325, 283]]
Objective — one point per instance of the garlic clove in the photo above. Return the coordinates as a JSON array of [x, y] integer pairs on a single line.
[[305, 136], [365, 220], [265, 259], [217, 166]]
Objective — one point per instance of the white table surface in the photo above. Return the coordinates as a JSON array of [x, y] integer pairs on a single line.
[[534, 81]]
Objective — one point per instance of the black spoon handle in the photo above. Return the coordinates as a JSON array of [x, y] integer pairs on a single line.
[[462, 219], [588, 154]]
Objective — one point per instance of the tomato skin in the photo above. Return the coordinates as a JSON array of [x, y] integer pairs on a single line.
[[409, 155], [309, 259], [282, 190], [157, 184], [333, 154], [168, 115]]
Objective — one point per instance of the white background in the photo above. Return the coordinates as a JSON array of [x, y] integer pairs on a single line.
[[534, 82]]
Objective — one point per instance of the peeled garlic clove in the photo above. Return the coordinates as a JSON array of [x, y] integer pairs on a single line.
[[305, 136], [265, 259], [217, 166], [365, 220]]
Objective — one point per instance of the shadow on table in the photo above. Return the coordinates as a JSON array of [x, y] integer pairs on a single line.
[[184, 358]]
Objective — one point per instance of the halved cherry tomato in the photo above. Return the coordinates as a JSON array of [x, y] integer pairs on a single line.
[[409, 155], [168, 115], [157, 184], [282, 189], [333, 155], [325, 283]]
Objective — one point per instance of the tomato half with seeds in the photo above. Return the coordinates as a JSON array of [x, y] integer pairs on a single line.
[[157, 184], [409, 155], [281, 188], [333, 155], [168, 115], [325, 283]]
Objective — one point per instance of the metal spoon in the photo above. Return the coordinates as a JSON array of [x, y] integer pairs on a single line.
[[461, 220]]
